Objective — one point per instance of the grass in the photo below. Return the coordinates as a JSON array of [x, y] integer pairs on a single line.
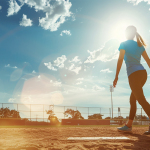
[[39, 126]]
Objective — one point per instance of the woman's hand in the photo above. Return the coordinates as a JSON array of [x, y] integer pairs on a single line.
[[115, 81]]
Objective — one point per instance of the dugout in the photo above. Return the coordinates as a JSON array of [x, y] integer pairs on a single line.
[[5, 122], [85, 122]]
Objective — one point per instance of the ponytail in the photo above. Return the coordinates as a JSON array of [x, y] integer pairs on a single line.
[[140, 41]]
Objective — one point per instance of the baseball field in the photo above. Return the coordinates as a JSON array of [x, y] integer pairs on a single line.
[[57, 138]]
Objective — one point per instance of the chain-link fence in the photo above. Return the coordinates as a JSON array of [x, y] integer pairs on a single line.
[[37, 112]]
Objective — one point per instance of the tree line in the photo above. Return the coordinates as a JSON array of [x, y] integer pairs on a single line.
[[7, 113]]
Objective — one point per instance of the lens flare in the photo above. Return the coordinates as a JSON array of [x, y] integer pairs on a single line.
[[119, 30]]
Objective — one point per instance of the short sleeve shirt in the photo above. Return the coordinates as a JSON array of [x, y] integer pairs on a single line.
[[132, 56]]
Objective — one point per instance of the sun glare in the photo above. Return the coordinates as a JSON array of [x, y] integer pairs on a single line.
[[119, 30]]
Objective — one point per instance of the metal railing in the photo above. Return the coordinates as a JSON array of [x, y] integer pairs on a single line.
[[37, 112]]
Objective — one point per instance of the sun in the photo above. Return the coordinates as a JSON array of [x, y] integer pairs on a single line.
[[119, 30]]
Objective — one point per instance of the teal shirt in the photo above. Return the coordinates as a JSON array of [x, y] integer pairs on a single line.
[[132, 56]]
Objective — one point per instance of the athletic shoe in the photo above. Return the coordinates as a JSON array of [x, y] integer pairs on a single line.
[[147, 133], [125, 129]]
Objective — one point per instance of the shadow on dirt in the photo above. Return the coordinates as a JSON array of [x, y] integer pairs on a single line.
[[143, 141]]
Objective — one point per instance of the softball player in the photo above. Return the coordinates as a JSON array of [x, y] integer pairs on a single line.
[[131, 52]]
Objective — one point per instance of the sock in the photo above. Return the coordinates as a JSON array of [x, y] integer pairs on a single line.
[[127, 126]]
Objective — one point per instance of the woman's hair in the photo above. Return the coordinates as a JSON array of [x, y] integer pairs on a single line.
[[131, 32], [140, 41]]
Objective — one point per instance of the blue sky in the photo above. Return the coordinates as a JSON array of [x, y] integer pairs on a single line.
[[65, 52]]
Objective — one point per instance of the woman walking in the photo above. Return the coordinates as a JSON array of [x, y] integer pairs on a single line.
[[131, 52]]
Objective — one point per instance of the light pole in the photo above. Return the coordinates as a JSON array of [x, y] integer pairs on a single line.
[[36, 117], [111, 90]]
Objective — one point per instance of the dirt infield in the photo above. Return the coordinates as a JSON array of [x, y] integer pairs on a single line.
[[55, 138]]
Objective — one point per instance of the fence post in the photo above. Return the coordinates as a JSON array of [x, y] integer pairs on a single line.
[[30, 112], [48, 117], [43, 112], [64, 112], [17, 110], [141, 116], [88, 112]]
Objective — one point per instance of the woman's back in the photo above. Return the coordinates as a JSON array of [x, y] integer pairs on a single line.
[[132, 52], [132, 55]]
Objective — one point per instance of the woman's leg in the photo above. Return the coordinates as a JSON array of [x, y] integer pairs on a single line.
[[136, 82], [133, 108]]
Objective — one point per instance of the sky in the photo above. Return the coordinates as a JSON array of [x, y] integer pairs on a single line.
[[65, 52]]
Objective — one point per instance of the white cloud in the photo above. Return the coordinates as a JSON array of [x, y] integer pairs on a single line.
[[13, 8], [80, 79], [49, 66], [14, 67], [11, 100], [106, 70], [0, 7], [10, 66], [75, 59], [37, 4], [96, 55], [33, 71], [59, 62], [73, 17], [74, 69], [107, 53], [7, 65], [80, 89], [72, 90], [98, 88], [78, 83], [27, 99], [25, 22], [56, 83], [55, 13], [136, 2], [71, 67], [66, 32], [39, 77], [24, 79], [86, 66]]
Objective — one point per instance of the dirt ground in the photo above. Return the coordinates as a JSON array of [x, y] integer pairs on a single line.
[[54, 138]]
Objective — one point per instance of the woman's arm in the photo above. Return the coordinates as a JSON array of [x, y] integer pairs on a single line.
[[145, 56], [119, 64], [120, 60]]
